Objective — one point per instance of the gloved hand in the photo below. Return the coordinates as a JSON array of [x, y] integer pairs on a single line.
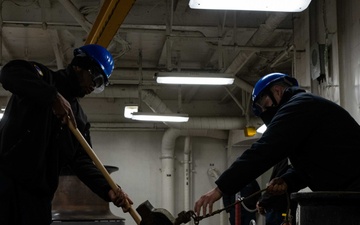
[[277, 186], [261, 210]]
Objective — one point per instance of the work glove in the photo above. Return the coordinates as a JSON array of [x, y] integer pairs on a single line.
[[277, 186], [261, 210]]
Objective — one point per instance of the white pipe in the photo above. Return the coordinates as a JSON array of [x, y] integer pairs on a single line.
[[154, 102], [187, 174], [167, 161], [258, 39]]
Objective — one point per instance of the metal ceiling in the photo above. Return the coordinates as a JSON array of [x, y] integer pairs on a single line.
[[148, 36]]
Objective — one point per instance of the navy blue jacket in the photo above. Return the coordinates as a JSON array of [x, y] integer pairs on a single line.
[[320, 138]]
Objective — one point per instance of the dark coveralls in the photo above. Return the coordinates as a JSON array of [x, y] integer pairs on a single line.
[[319, 137], [34, 145]]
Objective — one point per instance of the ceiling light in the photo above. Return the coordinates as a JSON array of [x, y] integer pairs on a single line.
[[160, 117], [261, 129], [129, 109], [194, 78], [253, 5], [2, 110]]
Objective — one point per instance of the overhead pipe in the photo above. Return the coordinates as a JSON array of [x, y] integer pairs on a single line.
[[267, 28], [259, 37]]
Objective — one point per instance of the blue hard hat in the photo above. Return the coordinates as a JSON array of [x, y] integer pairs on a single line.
[[267, 81], [101, 55]]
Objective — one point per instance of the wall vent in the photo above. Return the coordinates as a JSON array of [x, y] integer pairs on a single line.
[[317, 67]]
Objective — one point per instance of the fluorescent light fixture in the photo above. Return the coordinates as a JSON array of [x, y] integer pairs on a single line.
[[2, 112], [194, 78], [160, 117], [252, 5], [261, 129], [129, 109]]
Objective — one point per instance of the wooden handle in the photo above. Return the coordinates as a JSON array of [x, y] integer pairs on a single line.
[[102, 169]]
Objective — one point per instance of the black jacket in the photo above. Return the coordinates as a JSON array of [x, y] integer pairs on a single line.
[[319, 137], [34, 145]]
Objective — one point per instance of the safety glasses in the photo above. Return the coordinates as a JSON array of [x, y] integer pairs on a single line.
[[97, 78], [261, 104]]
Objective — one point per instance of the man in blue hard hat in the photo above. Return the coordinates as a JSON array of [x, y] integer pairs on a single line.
[[35, 142], [319, 137]]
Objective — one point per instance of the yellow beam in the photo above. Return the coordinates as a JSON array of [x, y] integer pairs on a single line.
[[108, 21]]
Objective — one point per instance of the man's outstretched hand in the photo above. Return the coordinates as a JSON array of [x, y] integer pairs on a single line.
[[205, 202]]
